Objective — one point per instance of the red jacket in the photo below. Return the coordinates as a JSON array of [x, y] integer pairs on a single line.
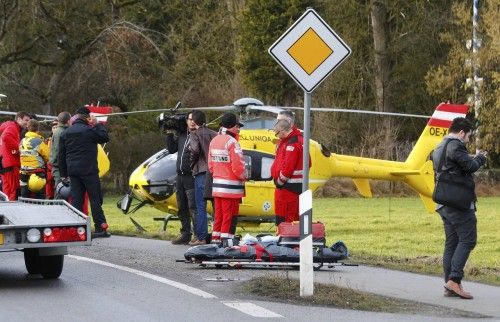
[[286, 169], [226, 164], [10, 136]]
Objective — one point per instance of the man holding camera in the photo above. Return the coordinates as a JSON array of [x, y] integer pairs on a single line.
[[178, 141]]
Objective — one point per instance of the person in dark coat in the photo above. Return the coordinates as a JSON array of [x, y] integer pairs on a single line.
[[78, 162], [459, 224], [178, 141]]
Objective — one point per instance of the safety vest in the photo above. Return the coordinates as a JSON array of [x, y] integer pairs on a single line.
[[34, 152], [225, 162]]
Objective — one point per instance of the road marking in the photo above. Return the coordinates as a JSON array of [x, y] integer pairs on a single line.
[[156, 278], [252, 309]]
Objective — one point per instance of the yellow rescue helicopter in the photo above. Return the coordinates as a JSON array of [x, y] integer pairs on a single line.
[[153, 182]]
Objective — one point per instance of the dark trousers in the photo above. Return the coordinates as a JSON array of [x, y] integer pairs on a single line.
[[92, 185], [186, 204], [461, 236], [201, 225]]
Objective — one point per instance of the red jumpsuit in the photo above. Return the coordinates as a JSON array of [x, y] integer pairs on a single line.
[[226, 164], [286, 171], [10, 136]]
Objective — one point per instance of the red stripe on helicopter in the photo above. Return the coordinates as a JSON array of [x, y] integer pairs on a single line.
[[99, 110], [446, 113]]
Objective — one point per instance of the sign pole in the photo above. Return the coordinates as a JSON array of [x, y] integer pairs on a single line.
[[307, 136], [305, 207], [308, 51]]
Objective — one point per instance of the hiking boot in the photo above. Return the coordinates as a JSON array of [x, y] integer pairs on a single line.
[[183, 239], [197, 242]]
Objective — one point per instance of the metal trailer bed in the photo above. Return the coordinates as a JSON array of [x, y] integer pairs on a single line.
[[22, 221]]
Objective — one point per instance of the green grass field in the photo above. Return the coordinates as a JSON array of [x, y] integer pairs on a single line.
[[390, 232]]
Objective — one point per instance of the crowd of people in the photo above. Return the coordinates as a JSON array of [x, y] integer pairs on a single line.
[[33, 166], [211, 166]]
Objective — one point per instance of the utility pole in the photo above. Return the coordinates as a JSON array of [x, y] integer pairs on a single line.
[[478, 81]]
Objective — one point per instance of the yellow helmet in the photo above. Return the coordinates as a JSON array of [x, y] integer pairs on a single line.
[[36, 183]]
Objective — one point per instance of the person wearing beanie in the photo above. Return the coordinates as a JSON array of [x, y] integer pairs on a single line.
[[227, 166], [78, 163]]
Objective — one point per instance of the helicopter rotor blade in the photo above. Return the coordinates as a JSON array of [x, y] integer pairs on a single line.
[[214, 108], [45, 117], [344, 110]]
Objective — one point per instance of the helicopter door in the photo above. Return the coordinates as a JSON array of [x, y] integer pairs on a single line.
[[259, 164]]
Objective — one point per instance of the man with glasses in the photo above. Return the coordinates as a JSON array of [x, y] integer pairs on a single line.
[[286, 169]]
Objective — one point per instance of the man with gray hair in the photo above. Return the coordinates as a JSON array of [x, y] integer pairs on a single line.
[[62, 124], [288, 116], [286, 169]]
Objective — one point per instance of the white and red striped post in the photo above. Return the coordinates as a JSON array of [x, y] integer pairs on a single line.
[[306, 241]]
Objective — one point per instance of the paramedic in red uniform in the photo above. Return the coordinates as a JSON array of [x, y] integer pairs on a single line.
[[286, 169], [227, 166], [10, 137]]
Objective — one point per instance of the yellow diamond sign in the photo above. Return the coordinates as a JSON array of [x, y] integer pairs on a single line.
[[310, 51]]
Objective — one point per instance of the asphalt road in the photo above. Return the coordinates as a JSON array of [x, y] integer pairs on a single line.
[[132, 279]]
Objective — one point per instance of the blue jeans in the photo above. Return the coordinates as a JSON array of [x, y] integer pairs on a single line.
[[201, 225]]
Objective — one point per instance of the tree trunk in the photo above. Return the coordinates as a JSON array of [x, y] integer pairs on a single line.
[[380, 29]]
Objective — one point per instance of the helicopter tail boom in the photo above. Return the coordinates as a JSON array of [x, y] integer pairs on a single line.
[[416, 171]]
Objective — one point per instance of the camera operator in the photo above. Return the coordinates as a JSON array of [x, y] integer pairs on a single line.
[[178, 138]]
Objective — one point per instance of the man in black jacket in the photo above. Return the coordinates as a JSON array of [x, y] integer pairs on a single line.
[[459, 224], [184, 183], [78, 161], [198, 146]]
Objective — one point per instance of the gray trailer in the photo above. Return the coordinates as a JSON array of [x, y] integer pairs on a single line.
[[43, 230]]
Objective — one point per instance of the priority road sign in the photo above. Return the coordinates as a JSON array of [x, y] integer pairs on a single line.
[[309, 50]]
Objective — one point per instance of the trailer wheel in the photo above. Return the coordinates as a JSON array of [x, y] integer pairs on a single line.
[[51, 266], [32, 260]]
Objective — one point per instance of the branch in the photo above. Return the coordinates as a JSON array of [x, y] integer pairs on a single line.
[[46, 13], [8, 13]]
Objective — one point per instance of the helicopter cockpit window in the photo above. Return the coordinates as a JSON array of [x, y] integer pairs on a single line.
[[160, 174]]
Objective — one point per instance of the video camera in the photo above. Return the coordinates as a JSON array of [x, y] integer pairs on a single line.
[[176, 122]]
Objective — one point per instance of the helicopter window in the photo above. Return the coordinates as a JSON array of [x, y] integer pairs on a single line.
[[265, 171], [260, 165], [161, 168]]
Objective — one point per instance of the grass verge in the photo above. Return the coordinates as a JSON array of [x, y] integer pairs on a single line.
[[394, 233], [287, 290]]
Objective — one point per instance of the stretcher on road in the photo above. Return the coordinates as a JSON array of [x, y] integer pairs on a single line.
[[262, 254]]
